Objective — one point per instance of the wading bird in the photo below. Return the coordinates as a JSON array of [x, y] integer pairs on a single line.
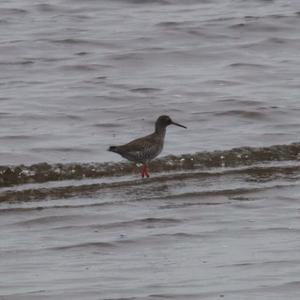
[[144, 149]]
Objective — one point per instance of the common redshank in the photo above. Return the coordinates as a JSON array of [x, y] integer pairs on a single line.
[[144, 149]]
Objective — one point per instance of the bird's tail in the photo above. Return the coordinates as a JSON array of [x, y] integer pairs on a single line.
[[113, 149]]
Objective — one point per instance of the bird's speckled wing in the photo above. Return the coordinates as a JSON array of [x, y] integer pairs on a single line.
[[142, 149]]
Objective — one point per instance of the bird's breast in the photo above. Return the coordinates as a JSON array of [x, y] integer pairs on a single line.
[[152, 151]]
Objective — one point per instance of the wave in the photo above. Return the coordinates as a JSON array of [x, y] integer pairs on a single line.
[[150, 222], [219, 175], [244, 156], [85, 246]]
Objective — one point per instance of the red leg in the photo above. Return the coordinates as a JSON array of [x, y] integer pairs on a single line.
[[146, 171], [143, 171]]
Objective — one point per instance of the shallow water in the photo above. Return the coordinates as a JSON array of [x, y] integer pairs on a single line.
[[226, 232], [79, 76], [219, 217]]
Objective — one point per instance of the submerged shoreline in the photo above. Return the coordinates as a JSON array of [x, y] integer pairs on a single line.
[[59, 181], [243, 156]]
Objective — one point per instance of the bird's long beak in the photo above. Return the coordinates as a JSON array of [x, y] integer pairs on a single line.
[[174, 123]]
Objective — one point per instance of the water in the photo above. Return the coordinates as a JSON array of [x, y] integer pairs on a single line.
[[229, 233], [78, 76], [78, 223]]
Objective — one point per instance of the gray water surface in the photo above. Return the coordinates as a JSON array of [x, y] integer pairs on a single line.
[[78, 76], [232, 234]]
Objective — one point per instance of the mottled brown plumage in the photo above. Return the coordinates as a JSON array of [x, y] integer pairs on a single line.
[[145, 149]]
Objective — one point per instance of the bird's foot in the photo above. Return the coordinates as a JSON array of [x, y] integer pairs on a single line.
[[144, 171]]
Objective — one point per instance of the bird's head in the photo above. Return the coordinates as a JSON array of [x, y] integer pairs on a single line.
[[163, 121]]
